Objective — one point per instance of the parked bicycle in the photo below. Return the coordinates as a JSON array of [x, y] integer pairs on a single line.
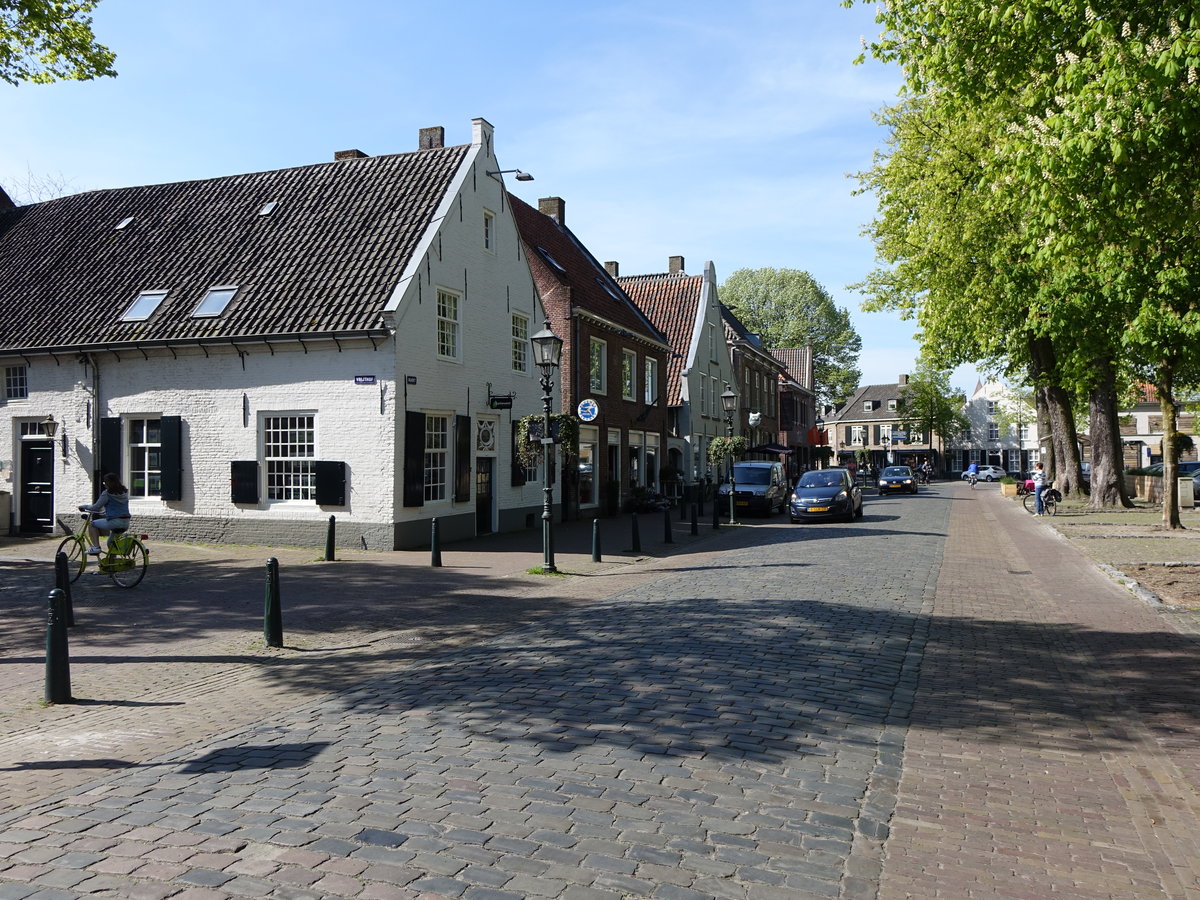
[[125, 559], [1050, 500]]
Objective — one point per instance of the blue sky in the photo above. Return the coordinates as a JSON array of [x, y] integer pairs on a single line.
[[711, 130]]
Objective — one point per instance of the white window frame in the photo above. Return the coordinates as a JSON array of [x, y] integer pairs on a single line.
[[885, 433], [868, 406], [449, 324], [598, 374], [650, 379], [628, 374], [16, 382], [891, 406], [215, 301], [436, 462], [145, 448], [704, 395], [143, 306], [520, 342], [993, 431], [291, 477], [489, 231], [857, 433]]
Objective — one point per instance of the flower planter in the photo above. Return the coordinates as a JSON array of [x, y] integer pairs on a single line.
[[1008, 490]]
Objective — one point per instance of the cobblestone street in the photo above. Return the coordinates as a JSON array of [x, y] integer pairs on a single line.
[[940, 700]]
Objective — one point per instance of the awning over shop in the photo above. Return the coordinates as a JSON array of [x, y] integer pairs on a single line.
[[770, 448]]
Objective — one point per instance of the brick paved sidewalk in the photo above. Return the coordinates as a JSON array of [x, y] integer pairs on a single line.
[[1054, 747]]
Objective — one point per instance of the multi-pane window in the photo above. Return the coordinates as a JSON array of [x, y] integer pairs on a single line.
[[598, 366], [16, 384], [703, 396], [447, 324], [145, 458], [993, 431], [650, 374], [628, 374], [437, 444], [289, 448], [520, 343], [489, 231], [856, 435], [885, 434]]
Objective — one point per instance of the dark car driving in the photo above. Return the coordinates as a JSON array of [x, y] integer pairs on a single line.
[[897, 478], [825, 494]]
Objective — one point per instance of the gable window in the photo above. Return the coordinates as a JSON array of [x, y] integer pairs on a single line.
[[143, 306], [489, 231], [145, 458], [650, 375], [598, 366], [289, 448], [447, 324], [520, 343], [214, 302], [993, 431], [712, 343], [437, 446], [628, 374], [16, 383], [991, 407], [703, 396]]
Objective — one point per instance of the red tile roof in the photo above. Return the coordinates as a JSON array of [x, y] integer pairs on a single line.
[[671, 301], [799, 364]]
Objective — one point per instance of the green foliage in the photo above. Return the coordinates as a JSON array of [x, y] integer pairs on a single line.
[[45, 40], [788, 308], [529, 451], [721, 447], [929, 405]]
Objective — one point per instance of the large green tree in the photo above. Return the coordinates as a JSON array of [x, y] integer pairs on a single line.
[[47, 40], [789, 308]]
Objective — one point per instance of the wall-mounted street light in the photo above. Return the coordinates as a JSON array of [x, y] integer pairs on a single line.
[[729, 404], [49, 426], [547, 354], [517, 174]]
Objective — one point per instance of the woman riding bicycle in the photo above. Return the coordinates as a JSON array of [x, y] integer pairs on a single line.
[[113, 508]]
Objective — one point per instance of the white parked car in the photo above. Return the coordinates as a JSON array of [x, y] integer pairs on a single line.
[[988, 473]]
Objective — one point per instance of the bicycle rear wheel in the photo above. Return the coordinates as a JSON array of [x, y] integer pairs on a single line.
[[130, 567], [1030, 503], [1049, 504], [76, 556]]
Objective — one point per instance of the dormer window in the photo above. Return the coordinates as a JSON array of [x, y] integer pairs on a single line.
[[143, 306], [892, 405], [214, 302], [868, 406]]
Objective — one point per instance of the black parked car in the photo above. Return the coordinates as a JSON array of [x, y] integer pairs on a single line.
[[897, 478], [826, 494]]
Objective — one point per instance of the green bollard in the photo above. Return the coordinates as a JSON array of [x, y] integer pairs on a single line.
[[668, 538], [62, 581], [596, 540], [272, 609], [435, 544], [695, 523], [637, 538], [58, 662], [329, 540]]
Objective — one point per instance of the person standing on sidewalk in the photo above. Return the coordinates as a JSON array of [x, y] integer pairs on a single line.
[[1039, 485]]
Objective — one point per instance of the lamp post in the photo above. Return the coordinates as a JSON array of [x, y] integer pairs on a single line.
[[729, 404], [819, 424], [547, 353]]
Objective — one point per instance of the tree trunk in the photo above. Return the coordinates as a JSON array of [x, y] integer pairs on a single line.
[[1045, 453], [1165, 385], [1068, 474], [1108, 484]]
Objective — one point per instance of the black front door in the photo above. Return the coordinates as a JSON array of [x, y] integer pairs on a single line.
[[37, 488], [483, 494]]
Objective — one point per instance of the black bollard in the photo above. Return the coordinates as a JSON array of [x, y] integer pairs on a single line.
[[682, 508], [637, 538], [435, 544], [695, 524], [272, 608], [62, 581], [716, 516], [58, 662], [700, 493], [596, 540], [329, 540], [668, 538]]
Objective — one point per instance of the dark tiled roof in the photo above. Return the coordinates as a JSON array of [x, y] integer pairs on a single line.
[[852, 410], [798, 361], [549, 244], [324, 261], [671, 301]]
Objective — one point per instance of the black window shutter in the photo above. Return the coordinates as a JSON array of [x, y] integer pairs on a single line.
[[518, 470], [849, 432], [462, 459], [876, 441], [414, 458], [243, 481], [110, 448], [331, 483], [171, 457]]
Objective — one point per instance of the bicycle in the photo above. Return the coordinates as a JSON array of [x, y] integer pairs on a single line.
[[124, 560], [1050, 500], [972, 479]]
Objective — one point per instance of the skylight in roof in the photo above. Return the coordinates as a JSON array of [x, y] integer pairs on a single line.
[[125, 223], [215, 301], [267, 208], [551, 261], [143, 306]]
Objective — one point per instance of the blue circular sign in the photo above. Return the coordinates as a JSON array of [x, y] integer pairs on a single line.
[[588, 410]]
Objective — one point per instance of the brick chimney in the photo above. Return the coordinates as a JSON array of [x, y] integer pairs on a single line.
[[675, 265], [903, 380], [431, 138], [348, 154], [613, 269], [555, 208]]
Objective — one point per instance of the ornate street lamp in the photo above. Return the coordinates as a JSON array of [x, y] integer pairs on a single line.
[[729, 404], [547, 353]]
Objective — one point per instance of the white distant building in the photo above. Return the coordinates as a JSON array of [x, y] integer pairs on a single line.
[[1003, 431]]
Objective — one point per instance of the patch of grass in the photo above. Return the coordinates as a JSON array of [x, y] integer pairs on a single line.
[[538, 570]]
